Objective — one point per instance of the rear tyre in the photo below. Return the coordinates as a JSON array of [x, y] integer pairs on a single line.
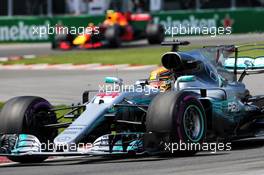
[[28, 115], [155, 33], [112, 35], [54, 45], [61, 38], [259, 103], [180, 118]]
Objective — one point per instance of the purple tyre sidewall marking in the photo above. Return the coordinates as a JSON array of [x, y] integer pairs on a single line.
[[181, 111]]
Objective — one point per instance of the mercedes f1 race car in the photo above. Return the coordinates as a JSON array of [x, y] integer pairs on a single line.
[[207, 102], [116, 28]]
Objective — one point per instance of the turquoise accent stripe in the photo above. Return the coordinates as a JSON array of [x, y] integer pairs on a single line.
[[186, 78]]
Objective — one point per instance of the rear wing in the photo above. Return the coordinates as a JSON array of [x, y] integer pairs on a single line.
[[238, 64], [257, 65]]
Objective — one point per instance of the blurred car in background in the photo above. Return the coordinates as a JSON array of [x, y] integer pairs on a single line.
[[117, 28]]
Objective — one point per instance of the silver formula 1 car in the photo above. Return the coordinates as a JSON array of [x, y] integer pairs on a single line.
[[207, 102]]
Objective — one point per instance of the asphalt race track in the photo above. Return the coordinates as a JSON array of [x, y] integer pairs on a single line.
[[67, 86], [242, 162], [45, 48], [60, 87]]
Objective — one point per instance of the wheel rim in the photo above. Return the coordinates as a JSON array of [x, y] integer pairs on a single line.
[[36, 117], [193, 123]]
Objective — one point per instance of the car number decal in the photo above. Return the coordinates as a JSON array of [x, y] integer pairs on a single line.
[[112, 95]]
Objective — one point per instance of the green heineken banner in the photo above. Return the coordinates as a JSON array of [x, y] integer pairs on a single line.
[[21, 29], [240, 21]]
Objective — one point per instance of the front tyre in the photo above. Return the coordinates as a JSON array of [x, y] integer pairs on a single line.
[[67, 38], [28, 115]]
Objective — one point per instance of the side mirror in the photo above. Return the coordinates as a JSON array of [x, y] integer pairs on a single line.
[[85, 97], [141, 82], [184, 79], [113, 80]]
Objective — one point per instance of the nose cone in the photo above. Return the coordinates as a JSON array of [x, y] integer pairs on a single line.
[[80, 40], [82, 126]]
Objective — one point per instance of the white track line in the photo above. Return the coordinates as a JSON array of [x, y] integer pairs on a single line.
[[110, 67], [38, 66], [3, 59], [95, 66], [29, 56], [13, 67], [86, 66], [140, 67]]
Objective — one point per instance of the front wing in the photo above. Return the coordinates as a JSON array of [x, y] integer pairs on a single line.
[[106, 145]]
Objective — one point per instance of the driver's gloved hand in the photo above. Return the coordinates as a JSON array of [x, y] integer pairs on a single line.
[[7, 143]]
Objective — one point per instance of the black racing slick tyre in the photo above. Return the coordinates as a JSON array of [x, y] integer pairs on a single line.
[[180, 117], [155, 33], [259, 103], [61, 38], [112, 35], [57, 39], [28, 115]]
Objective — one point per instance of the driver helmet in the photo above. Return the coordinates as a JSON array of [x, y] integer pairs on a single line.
[[111, 17], [161, 78]]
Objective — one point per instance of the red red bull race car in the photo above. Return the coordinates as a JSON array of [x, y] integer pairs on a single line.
[[117, 28]]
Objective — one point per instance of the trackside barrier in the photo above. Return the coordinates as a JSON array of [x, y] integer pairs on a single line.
[[20, 29]]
